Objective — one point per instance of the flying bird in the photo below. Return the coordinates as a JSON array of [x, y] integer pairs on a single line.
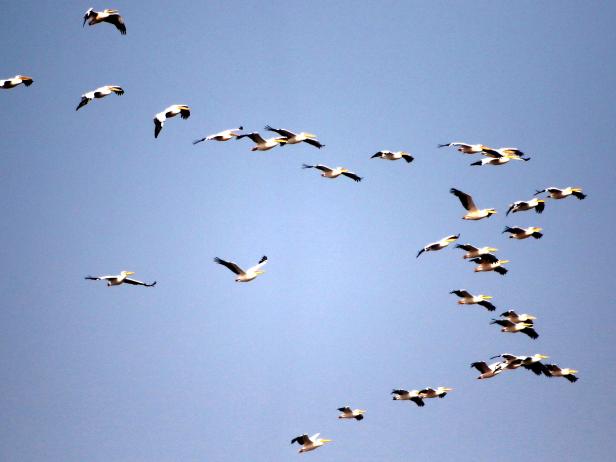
[[117, 279], [17, 80], [262, 144], [394, 155], [405, 395], [294, 138], [348, 413], [309, 443], [100, 92], [439, 392], [514, 327], [473, 252], [555, 371], [522, 233], [489, 262], [557, 193], [498, 159], [329, 172], [224, 135], [511, 153], [515, 317], [438, 245], [488, 371], [467, 202], [520, 206], [171, 111], [110, 16], [532, 363], [465, 148], [466, 298], [244, 276]]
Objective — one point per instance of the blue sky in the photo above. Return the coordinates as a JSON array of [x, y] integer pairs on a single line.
[[202, 368]]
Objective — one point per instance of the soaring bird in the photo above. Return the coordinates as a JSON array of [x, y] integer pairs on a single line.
[[348, 413], [100, 92], [558, 193], [171, 111], [439, 392], [294, 138], [329, 172], [466, 298], [244, 276], [515, 317], [520, 206], [555, 371], [488, 371], [532, 363], [17, 80], [465, 148], [511, 153], [489, 262], [405, 395], [467, 202], [438, 245], [522, 233], [262, 144], [309, 443], [497, 158], [117, 279], [110, 16], [394, 155], [513, 327], [224, 135], [473, 252]]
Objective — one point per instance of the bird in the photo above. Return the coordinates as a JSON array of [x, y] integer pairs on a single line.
[[171, 111], [473, 252], [262, 144], [329, 172], [515, 317], [17, 80], [110, 16], [520, 206], [466, 298], [489, 262], [309, 443], [467, 202], [438, 245], [439, 392], [532, 363], [465, 148], [224, 135], [394, 155], [405, 395], [100, 92], [243, 276], [513, 327], [558, 193], [497, 158], [522, 233], [117, 279], [488, 371], [555, 371], [348, 413], [294, 138], [511, 153]]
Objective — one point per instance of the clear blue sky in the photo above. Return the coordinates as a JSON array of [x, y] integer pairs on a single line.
[[202, 368]]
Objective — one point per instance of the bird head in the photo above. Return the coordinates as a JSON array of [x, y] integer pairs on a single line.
[[536, 229], [343, 169], [531, 317], [539, 201]]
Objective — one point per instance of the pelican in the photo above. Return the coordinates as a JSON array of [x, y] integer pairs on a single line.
[[489, 262], [117, 279], [532, 363], [488, 371], [329, 172], [466, 298], [557, 193], [294, 138], [262, 144], [440, 392], [522, 233], [100, 92], [348, 413], [555, 371], [17, 80], [467, 202], [110, 16], [309, 443], [171, 111], [224, 135], [405, 395], [515, 317], [438, 245], [513, 327], [511, 153], [473, 252], [394, 155], [465, 148], [520, 206], [498, 159], [244, 276]]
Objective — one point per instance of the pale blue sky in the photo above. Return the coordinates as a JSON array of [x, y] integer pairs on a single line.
[[202, 368]]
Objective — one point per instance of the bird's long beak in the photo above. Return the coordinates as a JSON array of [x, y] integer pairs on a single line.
[[492, 249], [537, 229], [130, 272], [502, 262], [543, 356], [573, 371], [533, 317], [448, 389], [259, 272], [487, 297], [280, 140], [326, 441]]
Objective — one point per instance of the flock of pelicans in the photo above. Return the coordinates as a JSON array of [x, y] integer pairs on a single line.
[[483, 257]]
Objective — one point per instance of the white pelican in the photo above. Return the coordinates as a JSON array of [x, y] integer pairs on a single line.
[[467, 202], [329, 172], [348, 413], [405, 395], [466, 298], [513, 327], [473, 252], [515, 317], [100, 92], [558, 193], [17, 80], [522, 233], [489, 262], [225, 135], [309, 443], [511, 153], [438, 245], [498, 159], [244, 276], [520, 206], [532, 363], [488, 371], [110, 16], [465, 148], [262, 144], [294, 138], [554, 371], [171, 111], [117, 279], [439, 392], [394, 155]]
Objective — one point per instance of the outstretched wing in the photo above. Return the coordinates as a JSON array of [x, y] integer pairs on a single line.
[[138, 283], [481, 366], [254, 136], [158, 126], [229, 264], [313, 142], [465, 199], [461, 293], [117, 21], [467, 247], [532, 333], [262, 262], [82, 103], [487, 305], [352, 176], [280, 131]]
